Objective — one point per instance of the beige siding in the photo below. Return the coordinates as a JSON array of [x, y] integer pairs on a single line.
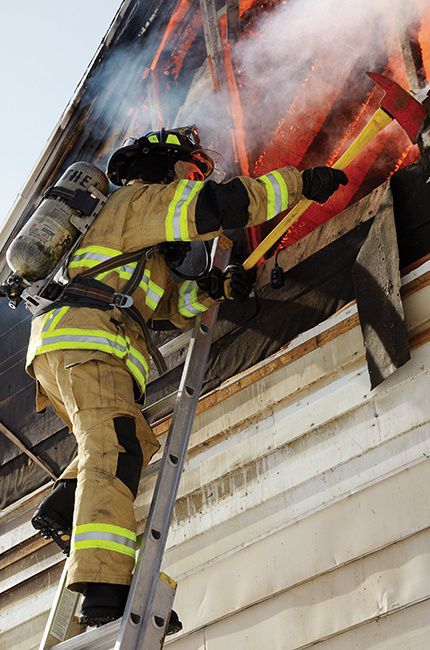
[[303, 516]]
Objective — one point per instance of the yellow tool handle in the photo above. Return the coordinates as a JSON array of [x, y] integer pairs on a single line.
[[378, 122]]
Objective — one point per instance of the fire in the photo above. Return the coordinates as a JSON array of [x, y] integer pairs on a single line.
[[307, 132], [174, 23]]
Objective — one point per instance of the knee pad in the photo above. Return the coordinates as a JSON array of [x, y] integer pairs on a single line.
[[130, 461]]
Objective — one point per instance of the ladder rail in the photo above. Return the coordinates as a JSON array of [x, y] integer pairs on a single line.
[[139, 604], [151, 595]]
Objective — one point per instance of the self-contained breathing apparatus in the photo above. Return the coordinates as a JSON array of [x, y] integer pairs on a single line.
[[39, 254]]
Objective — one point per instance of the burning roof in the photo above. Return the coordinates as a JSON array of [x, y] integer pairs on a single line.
[[270, 84]]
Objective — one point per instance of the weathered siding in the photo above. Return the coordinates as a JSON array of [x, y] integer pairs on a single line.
[[303, 516]]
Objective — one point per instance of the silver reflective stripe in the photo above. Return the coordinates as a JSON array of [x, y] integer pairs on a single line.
[[188, 305], [108, 537], [176, 223], [143, 369], [149, 292], [277, 191], [50, 318], [97, 257], [71, 338]]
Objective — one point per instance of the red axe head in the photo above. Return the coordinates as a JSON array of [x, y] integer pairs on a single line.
[[400, 105]]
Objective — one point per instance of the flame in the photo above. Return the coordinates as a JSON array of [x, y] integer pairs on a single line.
[[307, 133], [177, 17]]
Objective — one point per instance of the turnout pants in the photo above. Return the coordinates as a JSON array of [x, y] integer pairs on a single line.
[[92, 392]]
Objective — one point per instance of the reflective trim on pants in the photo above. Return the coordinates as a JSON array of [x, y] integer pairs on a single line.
[[104, 536]]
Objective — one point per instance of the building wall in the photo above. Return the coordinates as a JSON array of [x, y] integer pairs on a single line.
[[303, 514]]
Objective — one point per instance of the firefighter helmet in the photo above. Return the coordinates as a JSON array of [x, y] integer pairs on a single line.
[[153, 156]]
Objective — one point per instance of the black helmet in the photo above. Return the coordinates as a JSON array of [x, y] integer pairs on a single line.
[[153, 156]]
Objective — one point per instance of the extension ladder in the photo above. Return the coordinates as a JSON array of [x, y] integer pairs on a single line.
[[150, 600]]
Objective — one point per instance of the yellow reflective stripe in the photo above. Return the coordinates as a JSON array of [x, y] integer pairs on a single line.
[[52, 317], [148, 286], [47, 317], [90, 256], [75, 331], [135, 371], [151, 303], [198, 185], [270, 197], [58, 317], [194, 299], [154, 287], [84, 262], [188, 304], [172, 139], [76, 345], [170, 235], [101, 250], [177, 213], [277, 193], [104, 544], [70, 338], [137, 364], [105, 528]]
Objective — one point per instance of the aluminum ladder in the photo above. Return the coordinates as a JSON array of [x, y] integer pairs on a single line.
[[144, 623]]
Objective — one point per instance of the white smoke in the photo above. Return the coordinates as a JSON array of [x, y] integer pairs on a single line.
[[305, 52], [292, 63]]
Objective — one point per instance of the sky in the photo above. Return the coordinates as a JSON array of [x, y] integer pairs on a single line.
[[45, 48]]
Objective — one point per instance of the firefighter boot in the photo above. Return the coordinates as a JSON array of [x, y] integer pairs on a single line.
[[105, 602], [53, 518]]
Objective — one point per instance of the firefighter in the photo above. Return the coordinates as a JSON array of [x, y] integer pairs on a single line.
[[89, 352]]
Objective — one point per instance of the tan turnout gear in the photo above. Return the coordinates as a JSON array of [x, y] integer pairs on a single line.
[[93, 394], [84, 359]]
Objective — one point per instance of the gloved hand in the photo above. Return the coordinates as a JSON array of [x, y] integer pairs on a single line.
[[319, 183], [238, 283], [175, 252], [233, 284]]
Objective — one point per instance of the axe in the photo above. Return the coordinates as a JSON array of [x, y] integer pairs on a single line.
[[396, 104]]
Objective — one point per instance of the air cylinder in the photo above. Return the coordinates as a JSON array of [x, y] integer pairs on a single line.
[[49, 234]]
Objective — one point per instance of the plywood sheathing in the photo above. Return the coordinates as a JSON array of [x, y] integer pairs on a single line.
[[376, 280]]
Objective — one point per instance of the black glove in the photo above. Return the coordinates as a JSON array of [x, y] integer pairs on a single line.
[[175, 252], [319, 183], [234, 283], [238, 283]]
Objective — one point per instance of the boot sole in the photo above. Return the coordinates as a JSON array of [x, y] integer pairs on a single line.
[[51, 530]]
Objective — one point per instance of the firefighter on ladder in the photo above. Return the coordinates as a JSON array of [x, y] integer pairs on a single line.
[[90, 357]]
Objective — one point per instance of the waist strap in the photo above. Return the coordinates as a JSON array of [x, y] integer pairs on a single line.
[[85, 291]]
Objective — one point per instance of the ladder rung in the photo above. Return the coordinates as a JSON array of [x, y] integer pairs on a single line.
[[178, 343], [160, 408], [99, 638]]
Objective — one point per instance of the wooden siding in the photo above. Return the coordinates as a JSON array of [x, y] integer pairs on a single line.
[[303, 515]]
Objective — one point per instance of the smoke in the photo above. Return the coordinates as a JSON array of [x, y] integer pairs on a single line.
[[304, 53], [292, 64]]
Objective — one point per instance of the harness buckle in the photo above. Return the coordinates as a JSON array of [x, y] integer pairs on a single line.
[[121, 300]]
